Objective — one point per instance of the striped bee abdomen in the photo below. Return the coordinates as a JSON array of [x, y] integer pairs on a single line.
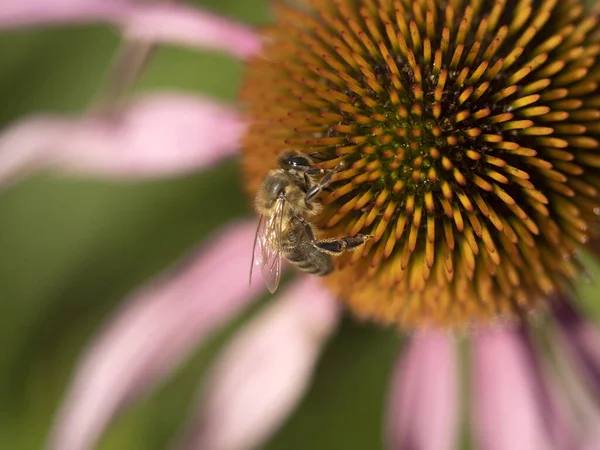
[[300, 251]]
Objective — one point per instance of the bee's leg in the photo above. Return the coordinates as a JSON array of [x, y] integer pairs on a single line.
[[334, 246], [315, 190], [341, 245], [306, 182]]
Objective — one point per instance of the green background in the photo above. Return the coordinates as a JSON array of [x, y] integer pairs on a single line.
[[70, 250]]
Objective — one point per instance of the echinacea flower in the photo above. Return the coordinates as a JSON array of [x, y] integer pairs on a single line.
[[468, 135]]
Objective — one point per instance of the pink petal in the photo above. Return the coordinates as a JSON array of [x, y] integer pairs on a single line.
[[176, 24], [584, 407], [576, 343], [508, 410], [574, 416], [265, 371], [40, 12], [424, 409], [158, 135], [167, 23], [154, 332], [582, 339]]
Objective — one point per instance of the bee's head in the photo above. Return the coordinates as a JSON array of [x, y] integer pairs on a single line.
[[273, 187]]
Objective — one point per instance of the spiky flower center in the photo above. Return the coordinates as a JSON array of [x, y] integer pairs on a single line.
[[468, 134]]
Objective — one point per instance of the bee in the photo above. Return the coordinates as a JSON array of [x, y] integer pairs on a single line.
[[286, 201]]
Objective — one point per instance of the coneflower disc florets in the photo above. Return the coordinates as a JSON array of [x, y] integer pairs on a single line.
[[469, 137]]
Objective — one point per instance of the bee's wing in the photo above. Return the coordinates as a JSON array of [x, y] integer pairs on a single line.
[[255, 245], [267, 246]]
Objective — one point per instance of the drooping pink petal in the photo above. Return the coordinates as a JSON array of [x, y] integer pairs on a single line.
[[578, 408], [424, 410], [509, 408], [49, 12], [576, 344], [584, 408], [157, 135], [161, 23], [153, 333], [265, 371], [582, 338], [177, 24]]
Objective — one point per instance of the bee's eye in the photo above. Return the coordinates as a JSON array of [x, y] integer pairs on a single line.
[[299, 162]]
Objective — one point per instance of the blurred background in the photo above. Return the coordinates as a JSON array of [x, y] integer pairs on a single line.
[[72, 249]]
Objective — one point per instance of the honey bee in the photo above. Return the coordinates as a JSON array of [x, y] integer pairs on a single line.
[[286, 201]]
